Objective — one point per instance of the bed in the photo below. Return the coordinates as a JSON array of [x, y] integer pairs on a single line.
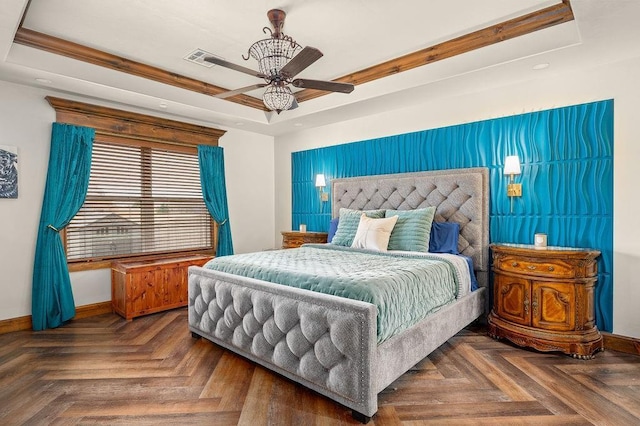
[[331, 344]]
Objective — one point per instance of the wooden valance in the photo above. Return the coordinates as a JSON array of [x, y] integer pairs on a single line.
[[115, 124]]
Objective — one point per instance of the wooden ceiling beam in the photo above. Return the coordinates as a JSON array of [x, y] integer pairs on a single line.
[[512, 28], [93, 56]]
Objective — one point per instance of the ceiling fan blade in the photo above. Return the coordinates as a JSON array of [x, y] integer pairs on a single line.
[[223, 63], [302, 60], [329, 86], [230, 93]]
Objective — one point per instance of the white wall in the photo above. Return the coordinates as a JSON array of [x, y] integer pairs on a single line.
[[25, 122], [250, 189], [618, 81]]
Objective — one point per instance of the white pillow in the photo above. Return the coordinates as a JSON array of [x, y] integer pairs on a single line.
[[373, 234]]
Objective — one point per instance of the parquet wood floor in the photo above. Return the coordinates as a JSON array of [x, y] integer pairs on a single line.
[[103, 370]]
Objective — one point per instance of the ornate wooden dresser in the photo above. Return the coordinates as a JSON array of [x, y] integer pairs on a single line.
[[544, 298]]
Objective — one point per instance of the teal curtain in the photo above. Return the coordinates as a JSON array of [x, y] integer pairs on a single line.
[[214, 192], [64, 193]]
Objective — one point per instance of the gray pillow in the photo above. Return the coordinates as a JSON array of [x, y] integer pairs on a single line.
[[348, 225], [412, 230]]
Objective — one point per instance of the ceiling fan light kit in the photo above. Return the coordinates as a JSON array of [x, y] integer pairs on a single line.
[[273, 54], [280, 58], [278, 98]]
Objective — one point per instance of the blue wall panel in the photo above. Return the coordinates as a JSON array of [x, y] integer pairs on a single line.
[[567, 177]]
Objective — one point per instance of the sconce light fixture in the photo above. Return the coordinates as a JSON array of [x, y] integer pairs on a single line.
[[511, 168], [320, 184]]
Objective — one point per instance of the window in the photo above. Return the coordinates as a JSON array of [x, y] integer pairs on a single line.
[[141, 200], [144, 194]]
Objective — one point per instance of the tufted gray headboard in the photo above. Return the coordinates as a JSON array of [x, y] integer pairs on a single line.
[[459, 195]]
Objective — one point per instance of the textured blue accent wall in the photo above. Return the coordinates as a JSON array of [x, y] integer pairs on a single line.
[[567, 177]]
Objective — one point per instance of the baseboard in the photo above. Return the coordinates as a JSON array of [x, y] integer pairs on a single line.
[[628, 345], [15, 324], [93, 310], [24, 323]]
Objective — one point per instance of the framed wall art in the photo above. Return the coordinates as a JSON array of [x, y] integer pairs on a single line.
[[8, 171]]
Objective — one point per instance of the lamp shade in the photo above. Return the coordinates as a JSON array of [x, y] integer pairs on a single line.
[[512, 165], [320, 182]]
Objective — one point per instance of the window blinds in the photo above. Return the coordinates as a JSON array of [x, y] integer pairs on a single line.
[[141, 200]]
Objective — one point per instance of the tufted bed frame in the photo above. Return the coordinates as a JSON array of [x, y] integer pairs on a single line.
[[355, 368]]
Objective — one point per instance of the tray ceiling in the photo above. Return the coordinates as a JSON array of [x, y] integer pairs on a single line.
[[131, 52]]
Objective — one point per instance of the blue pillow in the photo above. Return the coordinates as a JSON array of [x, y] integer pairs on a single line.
[[474, 280], [444, 237], [333, 226]]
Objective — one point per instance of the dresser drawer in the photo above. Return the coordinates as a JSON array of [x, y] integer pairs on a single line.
[[294, 239], [552, 268]]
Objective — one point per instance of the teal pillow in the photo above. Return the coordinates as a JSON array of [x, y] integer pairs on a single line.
[[348, 225], [412, 230]]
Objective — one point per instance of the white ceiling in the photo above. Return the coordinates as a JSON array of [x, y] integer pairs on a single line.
[[353, 35]]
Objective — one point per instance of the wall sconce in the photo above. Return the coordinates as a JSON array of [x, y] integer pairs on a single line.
[[511, 168], [320, 184]]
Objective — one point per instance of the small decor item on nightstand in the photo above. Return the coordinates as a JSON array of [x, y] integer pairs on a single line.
[[303, 227], [540, 240], [544, 299]]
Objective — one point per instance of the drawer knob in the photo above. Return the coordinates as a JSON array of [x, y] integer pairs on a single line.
[[532, 267], [551, 268], [514, 264]]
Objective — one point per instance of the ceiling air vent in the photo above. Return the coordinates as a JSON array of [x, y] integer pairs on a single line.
[[197, 57]]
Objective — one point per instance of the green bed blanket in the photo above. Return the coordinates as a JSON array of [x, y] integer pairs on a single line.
[[404, 287]]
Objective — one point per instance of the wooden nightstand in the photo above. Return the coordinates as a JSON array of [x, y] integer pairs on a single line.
[[294, 239], [543, 298]]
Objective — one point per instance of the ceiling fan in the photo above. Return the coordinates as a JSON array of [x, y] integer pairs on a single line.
[[280, 58]]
